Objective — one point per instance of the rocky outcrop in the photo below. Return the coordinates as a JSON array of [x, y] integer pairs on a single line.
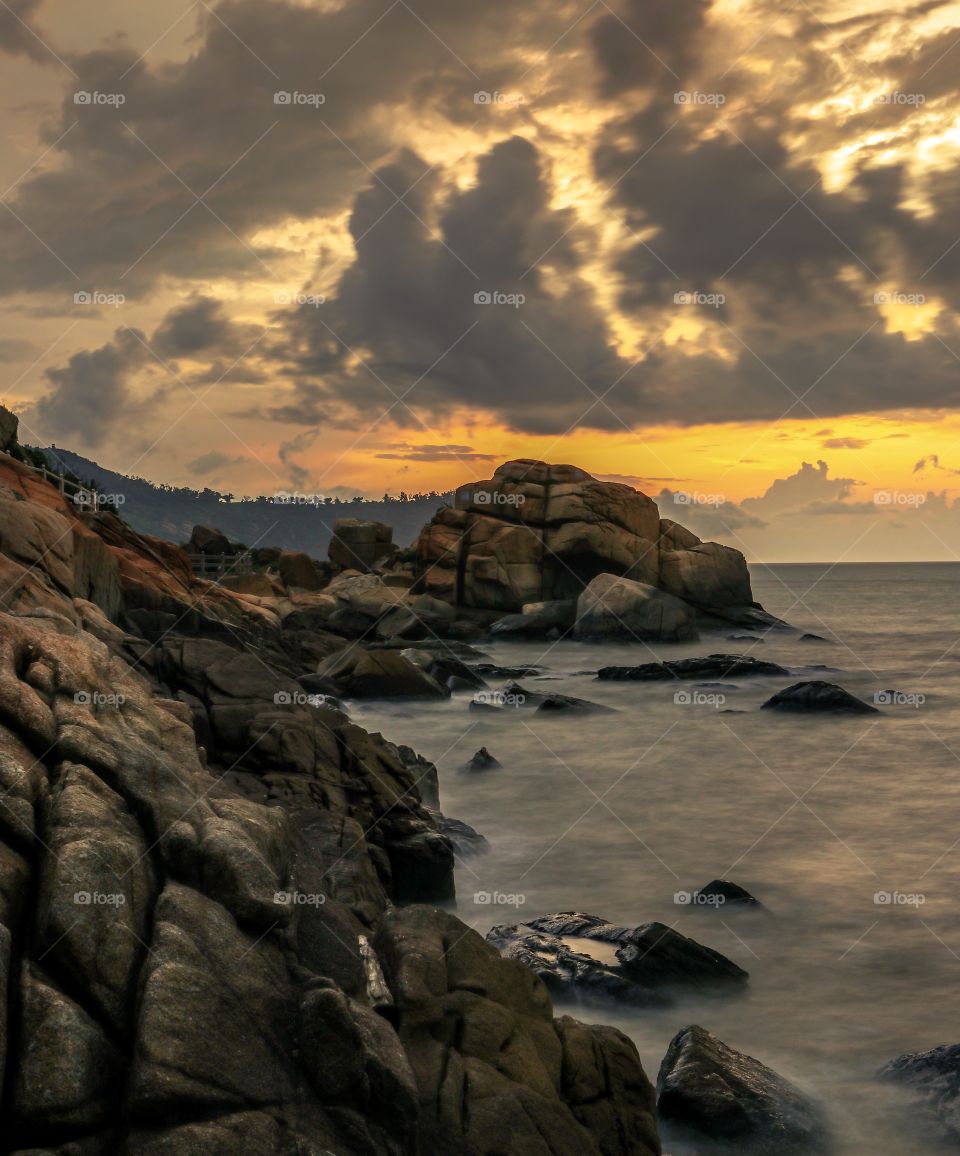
[[712, 667], [818, 697], [514, 697], [934, 1079], [536, 533], [707, 1089], [586, 956], [359, 673], [203, 870]]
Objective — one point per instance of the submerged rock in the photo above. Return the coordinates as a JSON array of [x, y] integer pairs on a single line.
[[464, 839], [935, 1078], [818, 696], [513, 696], [722, 893], [482, 761], [725, 1096], [712, 666], [579, 955], [538, 620]]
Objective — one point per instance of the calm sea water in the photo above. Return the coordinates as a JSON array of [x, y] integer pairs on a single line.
[[614, 814]]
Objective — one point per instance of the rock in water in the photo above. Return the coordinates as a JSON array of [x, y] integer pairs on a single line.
[[707, 1088], [721, 893], [537, 533], [482, 761], [584, 955], [628, 611], [713, 666], [513, 696], [935, 1077], [820, 697]]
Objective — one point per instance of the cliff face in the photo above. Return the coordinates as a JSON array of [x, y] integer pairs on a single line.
[[215, 931]]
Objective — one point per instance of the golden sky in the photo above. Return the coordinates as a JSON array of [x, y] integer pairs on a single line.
[[349, 247]]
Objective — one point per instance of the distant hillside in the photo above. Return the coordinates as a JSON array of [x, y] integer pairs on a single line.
[[171, 513]]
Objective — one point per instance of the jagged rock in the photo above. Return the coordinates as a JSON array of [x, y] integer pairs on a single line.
[[482, 760], [448, 670], [636, 965], [713, 666], [706, 1088], [379, 674], [819, 697], [934, 1077]]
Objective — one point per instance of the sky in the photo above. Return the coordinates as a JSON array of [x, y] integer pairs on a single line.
[[711, 250]]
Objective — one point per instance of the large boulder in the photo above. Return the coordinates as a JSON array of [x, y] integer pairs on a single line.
[[359, 673], [536, 533], [298, 570], [359, 545], [711, 667], [818, 697], [207, 540], [628, 611], [731, 1099]]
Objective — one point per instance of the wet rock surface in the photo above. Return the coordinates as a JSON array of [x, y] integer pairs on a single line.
[[711, 666], [934, 1079], [711, 1091], [585, 956], [818, 697]]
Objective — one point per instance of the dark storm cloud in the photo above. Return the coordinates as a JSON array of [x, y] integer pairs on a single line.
[[211, 462], [20, 34], [112, 213], [92, 392], [534, 353]]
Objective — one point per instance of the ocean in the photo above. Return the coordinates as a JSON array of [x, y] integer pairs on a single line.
[[846, 828]]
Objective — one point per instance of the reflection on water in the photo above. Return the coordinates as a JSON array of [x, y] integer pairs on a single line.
[[844, 827]]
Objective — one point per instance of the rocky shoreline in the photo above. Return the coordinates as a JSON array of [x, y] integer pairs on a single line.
[[219, 920]]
